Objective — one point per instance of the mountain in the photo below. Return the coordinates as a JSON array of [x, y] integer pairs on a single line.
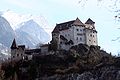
[[15, 19], [19, 22], [31, 34], [6, 32]]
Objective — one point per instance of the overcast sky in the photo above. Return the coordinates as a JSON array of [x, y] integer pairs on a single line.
[[57, 11]]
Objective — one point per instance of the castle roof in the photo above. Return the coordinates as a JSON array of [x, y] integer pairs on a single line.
[[14, 45], [31, 51], [66, 25], [45, 45], [22, 47], [89, 21]]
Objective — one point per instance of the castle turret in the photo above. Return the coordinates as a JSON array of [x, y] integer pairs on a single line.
[[17, 52], [90, 24], [14, 46], [91, 33], [13, 49]]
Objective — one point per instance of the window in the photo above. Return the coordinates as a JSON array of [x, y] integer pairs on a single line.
[[13, 56], [91, 35], [65, 35], [89, 40], [77, 29], [77, 38], [80, 29], [79, 34], [80, 39]]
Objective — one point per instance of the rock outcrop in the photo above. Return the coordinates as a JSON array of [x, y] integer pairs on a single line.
[[81, 62]]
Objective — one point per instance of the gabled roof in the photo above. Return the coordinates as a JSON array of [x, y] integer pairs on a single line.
[[66, 25], [78, 22], [22, 47], [62, 26], [56, 30], [14, 45], [89, 21]]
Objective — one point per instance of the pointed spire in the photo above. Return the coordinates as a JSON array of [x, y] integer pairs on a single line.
[[78, 22], [14, 45], [89, 21]]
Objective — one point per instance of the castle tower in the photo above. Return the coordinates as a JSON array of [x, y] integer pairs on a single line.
[[17, 51], [91, 33], [55, 37], [13, 49]]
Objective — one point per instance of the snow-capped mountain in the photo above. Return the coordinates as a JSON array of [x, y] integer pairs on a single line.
[[31, 34], [6, 32], [29, 30], [15, 19]]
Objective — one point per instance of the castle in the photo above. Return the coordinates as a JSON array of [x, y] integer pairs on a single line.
[[64, 35], [74, 32], [19, 52]]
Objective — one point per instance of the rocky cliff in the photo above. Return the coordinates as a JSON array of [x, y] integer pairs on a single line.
[[81, 62]]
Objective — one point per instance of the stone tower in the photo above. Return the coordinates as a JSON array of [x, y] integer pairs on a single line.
[[13, 49], [17, 52]]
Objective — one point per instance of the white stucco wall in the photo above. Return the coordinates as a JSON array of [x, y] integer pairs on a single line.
[[91, 37], [79, 35], [68, 34]]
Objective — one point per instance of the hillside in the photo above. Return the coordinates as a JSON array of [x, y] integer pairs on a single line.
[[81, 62]]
